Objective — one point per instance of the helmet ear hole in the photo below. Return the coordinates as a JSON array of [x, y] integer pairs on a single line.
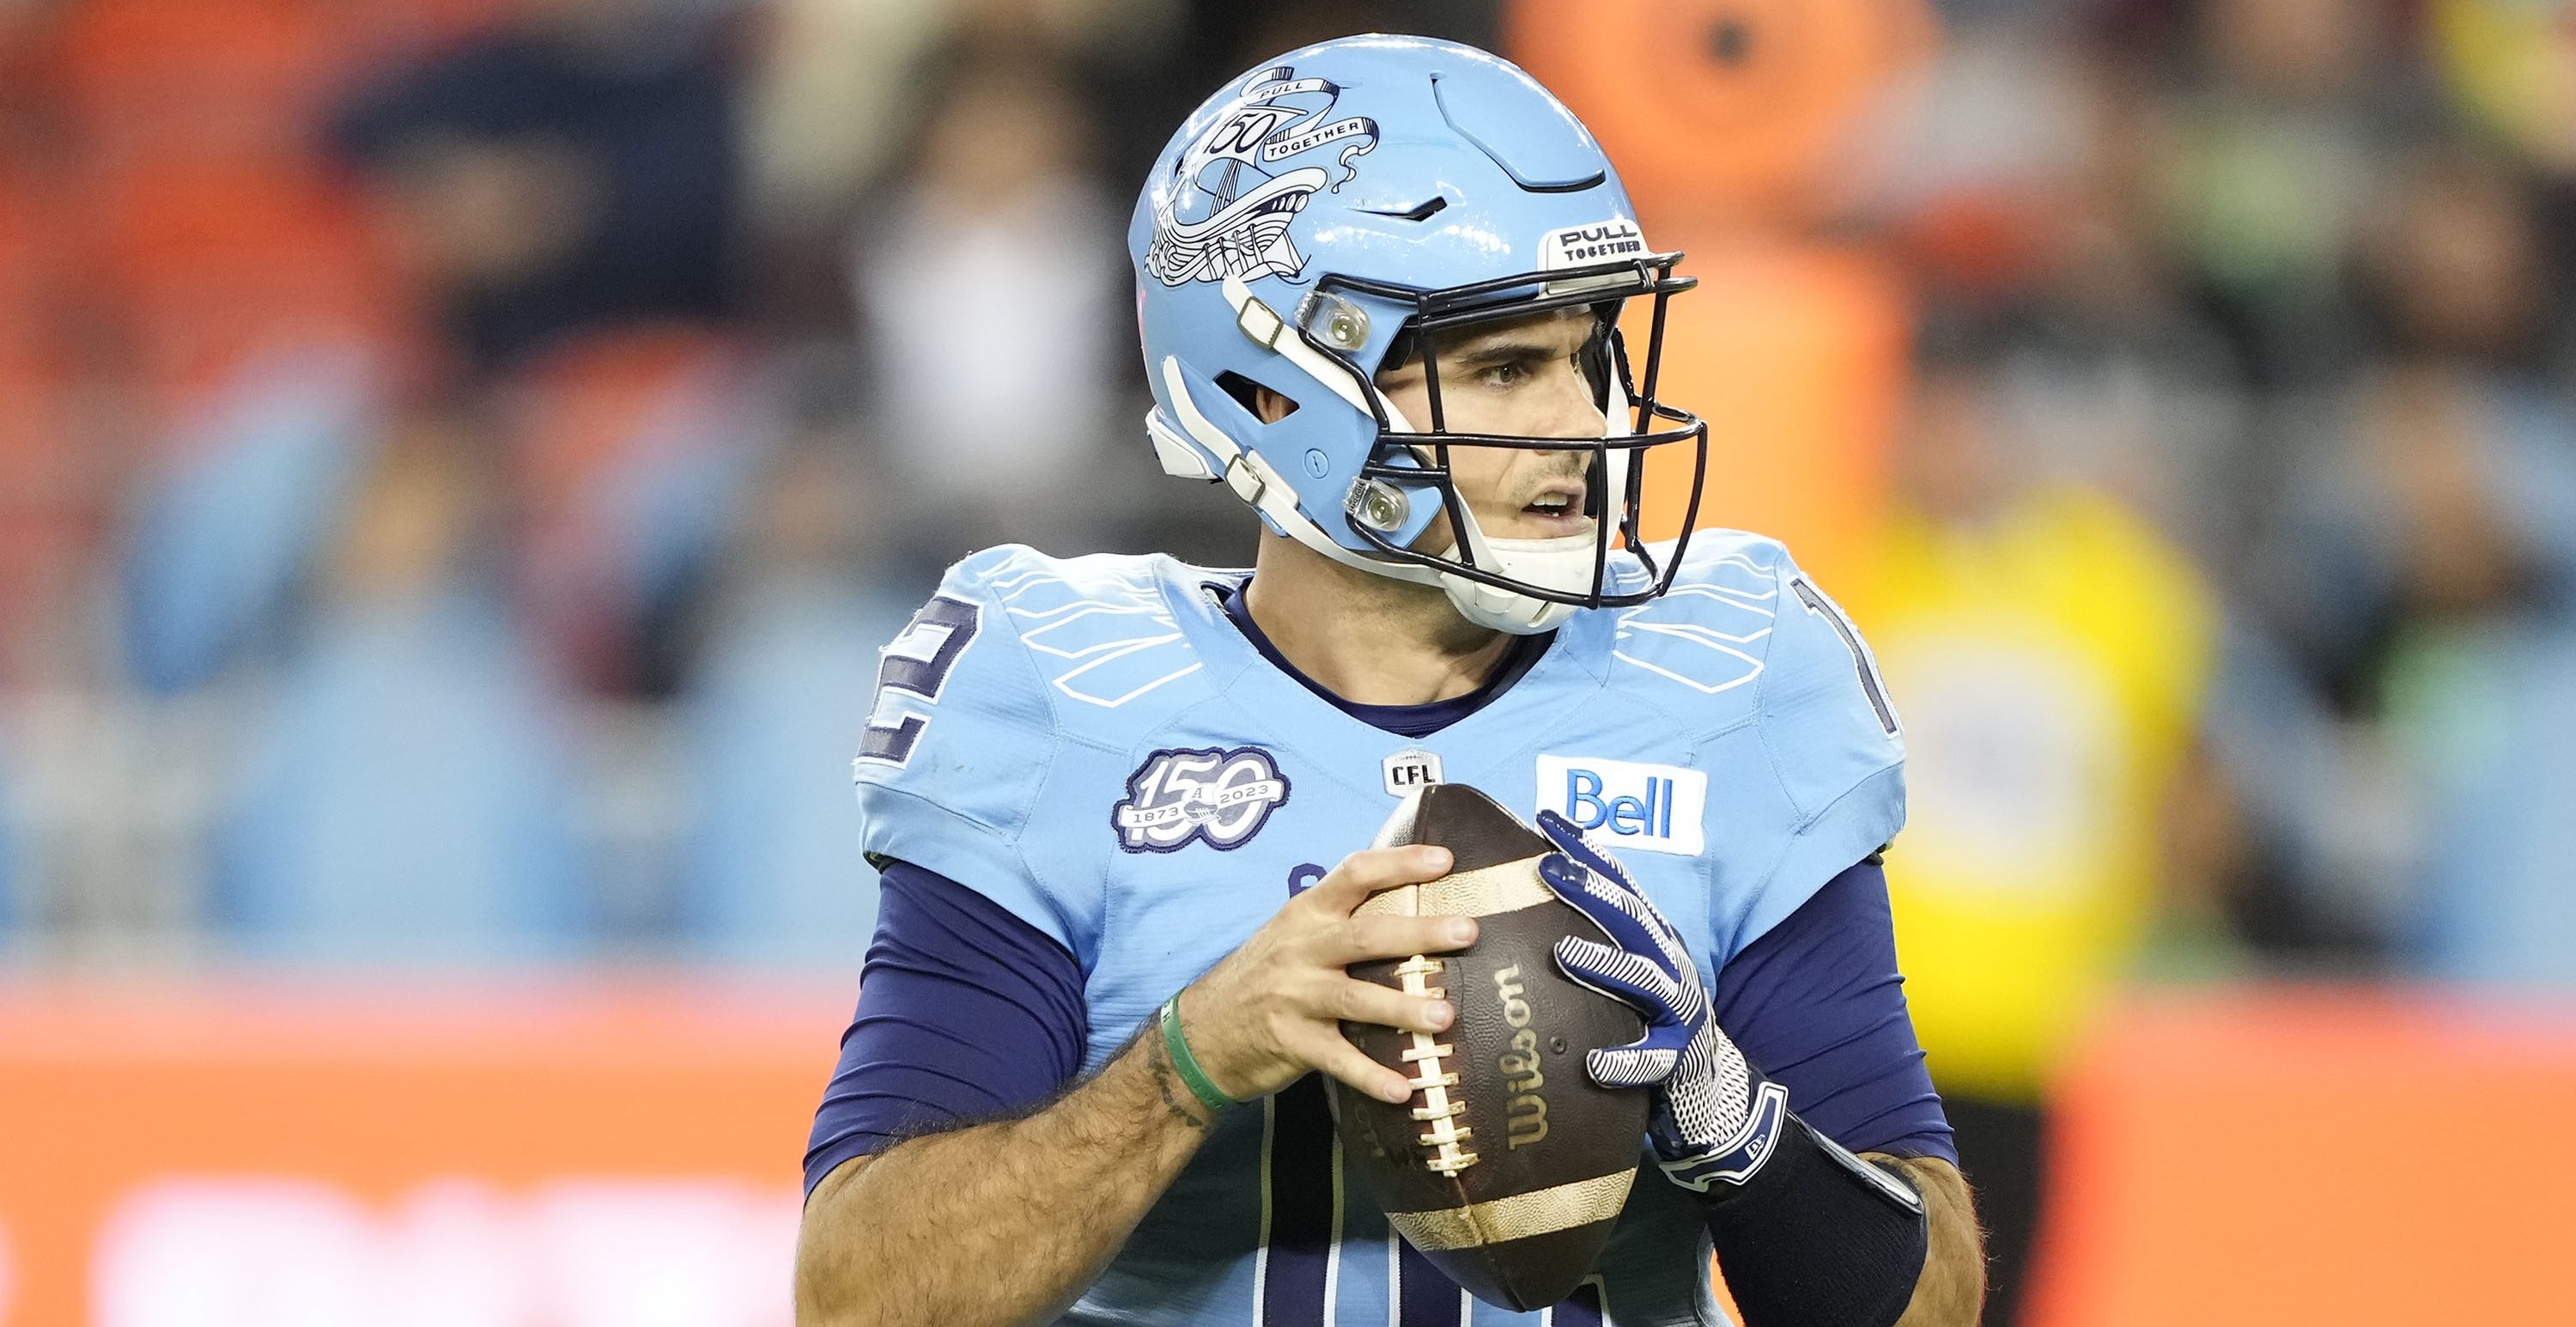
[[1267, 404]]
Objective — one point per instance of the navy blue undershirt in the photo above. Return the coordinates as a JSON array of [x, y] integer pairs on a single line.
[[969, 1013]]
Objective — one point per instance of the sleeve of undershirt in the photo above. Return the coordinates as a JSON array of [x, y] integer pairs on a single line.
[[1817, 1002], [966, 1013]]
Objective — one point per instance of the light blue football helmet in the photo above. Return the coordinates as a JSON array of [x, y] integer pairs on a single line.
[[1346, 207]]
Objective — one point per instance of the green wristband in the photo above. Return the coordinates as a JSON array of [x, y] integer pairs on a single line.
[[1178, 1048]]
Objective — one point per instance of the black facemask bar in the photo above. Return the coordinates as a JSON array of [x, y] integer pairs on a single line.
[[1435, 312]]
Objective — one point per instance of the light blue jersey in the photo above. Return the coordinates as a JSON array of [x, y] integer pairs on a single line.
[[1094, 745]]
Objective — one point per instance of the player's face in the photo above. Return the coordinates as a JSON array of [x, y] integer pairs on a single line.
[[1523, 378]]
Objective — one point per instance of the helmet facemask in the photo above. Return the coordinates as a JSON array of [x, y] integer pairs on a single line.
[[1517, 585]]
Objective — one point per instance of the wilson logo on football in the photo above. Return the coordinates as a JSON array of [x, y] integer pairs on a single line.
[[1217, 795], [1526, 1111]]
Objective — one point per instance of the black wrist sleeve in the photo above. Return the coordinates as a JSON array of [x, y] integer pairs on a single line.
[[1818, 1237]]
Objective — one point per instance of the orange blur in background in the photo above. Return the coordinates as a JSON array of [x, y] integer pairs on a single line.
[[561, 1151], [2307, 1156]]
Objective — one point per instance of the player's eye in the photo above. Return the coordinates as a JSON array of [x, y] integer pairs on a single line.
[[1510, 373]]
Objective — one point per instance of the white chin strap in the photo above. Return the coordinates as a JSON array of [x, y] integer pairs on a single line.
[[1563, 564]]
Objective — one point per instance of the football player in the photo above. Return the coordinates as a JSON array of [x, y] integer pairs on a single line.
[[1115, 800]]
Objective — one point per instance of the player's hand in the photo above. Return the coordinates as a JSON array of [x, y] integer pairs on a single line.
[[1714, 1117], [1272, 1010]]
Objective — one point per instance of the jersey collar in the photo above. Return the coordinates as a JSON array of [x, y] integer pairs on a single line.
[[1401, 720]]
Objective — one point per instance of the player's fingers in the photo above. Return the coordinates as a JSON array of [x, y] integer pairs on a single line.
[[1630, 1066], [1373, 869], [1570, 841], [1614, 972], [1621, 915], [1352, 1000], [1337, 1056], [1363, 938]]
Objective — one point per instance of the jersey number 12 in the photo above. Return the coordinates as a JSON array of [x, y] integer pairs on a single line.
[[916, 664]]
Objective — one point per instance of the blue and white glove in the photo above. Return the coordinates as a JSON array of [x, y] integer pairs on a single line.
[[1715, 1119]]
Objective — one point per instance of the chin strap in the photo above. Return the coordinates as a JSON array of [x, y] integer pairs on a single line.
[[1510, 610], [1563, 563]]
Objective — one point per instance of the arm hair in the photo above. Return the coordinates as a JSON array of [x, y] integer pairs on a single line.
[[1952, 1289], [1003, 1223]]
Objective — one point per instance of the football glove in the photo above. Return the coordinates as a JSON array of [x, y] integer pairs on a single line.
[[1715, 1119]]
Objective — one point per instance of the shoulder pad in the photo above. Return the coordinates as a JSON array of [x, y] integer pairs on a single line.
[[1825, 712], [970, 724], [1745, 638], [1709, 636], [1099, 634]]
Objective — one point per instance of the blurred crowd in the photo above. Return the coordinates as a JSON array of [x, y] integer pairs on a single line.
[[2228, 582], [2285, 282], [458, 458]]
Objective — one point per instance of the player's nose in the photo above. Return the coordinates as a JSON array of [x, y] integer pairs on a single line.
[[1569, 410]]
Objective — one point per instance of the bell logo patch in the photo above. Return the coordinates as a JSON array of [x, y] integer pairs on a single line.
[[1626, 805]]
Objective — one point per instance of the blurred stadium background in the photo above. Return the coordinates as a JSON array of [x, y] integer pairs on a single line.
[[458, 459]]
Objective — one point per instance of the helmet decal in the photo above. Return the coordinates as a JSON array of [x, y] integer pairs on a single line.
[[1573, 246], [1270, 255], [1228, 217]]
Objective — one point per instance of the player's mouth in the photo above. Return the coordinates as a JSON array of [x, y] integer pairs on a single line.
[[1556, 511]]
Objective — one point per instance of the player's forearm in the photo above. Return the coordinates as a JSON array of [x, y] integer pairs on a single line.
[[1001, 1223], [1953, 1286]]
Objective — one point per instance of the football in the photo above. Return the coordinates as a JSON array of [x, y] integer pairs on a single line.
[[1507, 1167]]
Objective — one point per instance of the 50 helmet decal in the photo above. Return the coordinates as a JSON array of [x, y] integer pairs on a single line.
[[1423, 190], [1238, 214]]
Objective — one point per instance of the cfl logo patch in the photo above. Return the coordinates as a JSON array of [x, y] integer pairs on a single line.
[[1628, 805], [1407, 771]]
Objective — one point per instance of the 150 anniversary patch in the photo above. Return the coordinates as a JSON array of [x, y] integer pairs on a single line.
[[1219, 795]]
